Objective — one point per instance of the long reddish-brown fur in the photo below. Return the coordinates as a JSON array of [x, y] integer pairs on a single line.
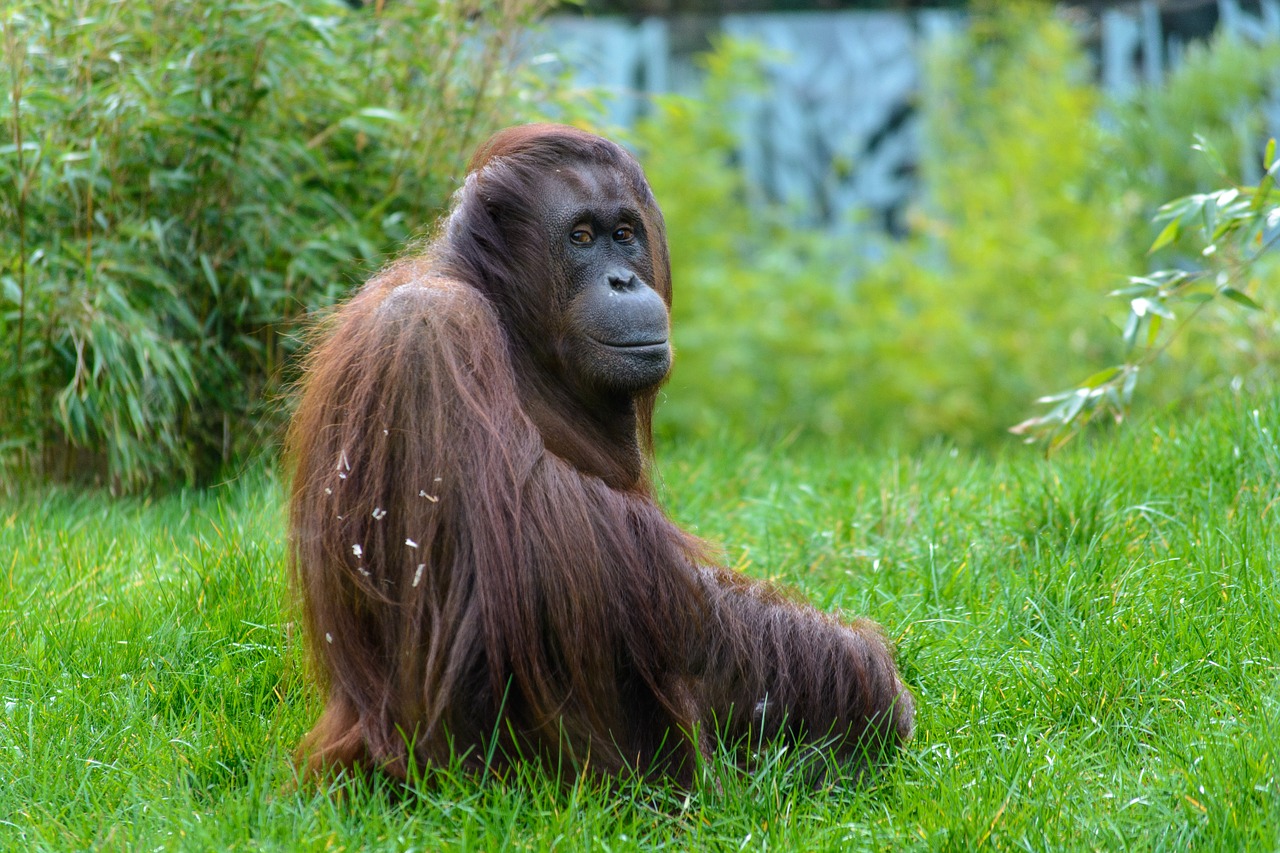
[[482, 568]]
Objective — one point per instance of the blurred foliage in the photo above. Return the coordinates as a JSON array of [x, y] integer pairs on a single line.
[[958, 326], [180, 181], [1219, 93], [1233, 229], [1036, 194], [1020, 231], [1179, 147]]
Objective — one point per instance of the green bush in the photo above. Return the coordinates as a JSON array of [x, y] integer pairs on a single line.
[[180, 181], [1233, 229], [1219, 92], [1215, 101], [1019, 233], [959, 326]]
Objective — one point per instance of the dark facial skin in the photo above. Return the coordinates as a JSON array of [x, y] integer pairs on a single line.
[[613, 340]]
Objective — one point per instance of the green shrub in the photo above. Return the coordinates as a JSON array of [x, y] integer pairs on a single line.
[[1215, 102], [1220, 93], [959, 326], [1233, 231], [180, 181], [1019, 232], [1178, 339]]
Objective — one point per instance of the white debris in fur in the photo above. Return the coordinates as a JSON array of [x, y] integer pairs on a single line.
[[417, 576], [379, 513], [328, 638], [363, 571], [342, 461], [357, 550], [411, 543], [328, 491]]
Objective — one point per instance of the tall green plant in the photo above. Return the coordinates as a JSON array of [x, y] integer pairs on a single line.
[[1184, 331], [186, 179], [1219, 92], [781, 329], [1232, 231], [1017, 227]]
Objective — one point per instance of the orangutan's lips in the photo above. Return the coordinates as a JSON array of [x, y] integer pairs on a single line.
[[635, 346]]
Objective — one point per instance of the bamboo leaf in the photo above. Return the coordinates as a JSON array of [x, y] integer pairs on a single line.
[[1240, 298], [1131, 329], [210, 276], [1075, 404], [1102, 377], [1167, 235], [1153, 329]]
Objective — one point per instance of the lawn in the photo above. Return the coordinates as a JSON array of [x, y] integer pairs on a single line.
[[1094, 642]]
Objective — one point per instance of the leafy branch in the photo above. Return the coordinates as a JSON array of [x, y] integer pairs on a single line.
[[1234, 228]]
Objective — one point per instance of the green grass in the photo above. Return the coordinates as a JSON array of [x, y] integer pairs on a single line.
[[1094, 642]]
